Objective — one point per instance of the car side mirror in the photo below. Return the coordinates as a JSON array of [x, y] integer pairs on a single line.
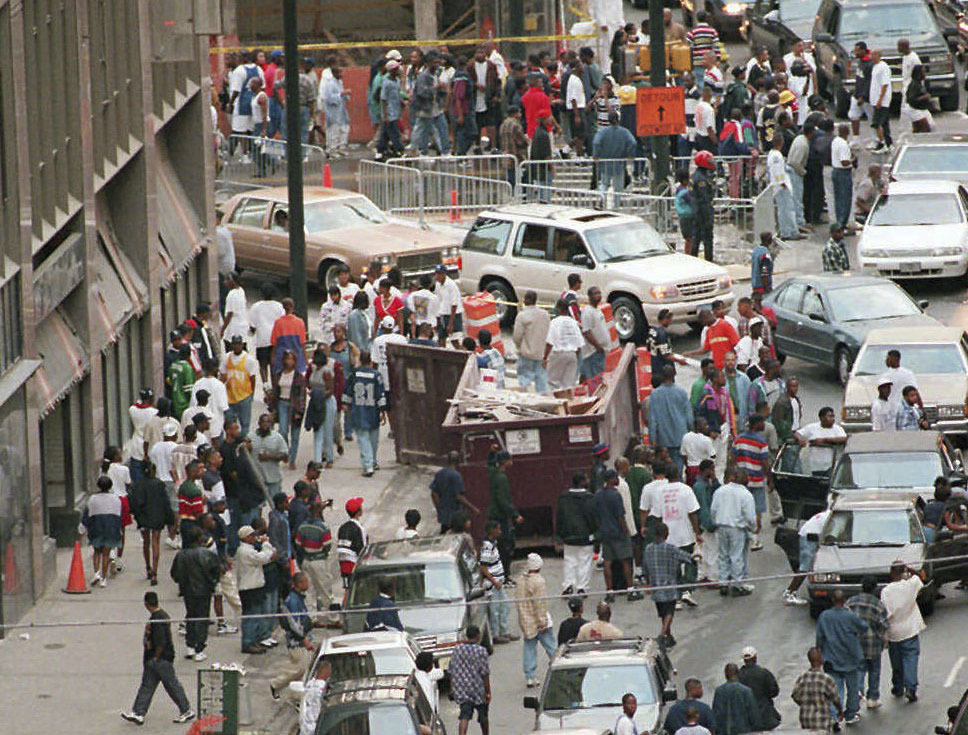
[[923, 304], [530, 703], [582, 260], [669, 695], [817, 317], [824, 38], [475, 593]]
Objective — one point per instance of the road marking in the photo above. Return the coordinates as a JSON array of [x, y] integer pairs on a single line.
[[953, 674]]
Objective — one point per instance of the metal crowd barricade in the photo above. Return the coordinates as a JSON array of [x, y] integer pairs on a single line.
[[397, 190], [244, 157], [452, 196], [487, 166], [738, 177], [546, 193], [579, 173]]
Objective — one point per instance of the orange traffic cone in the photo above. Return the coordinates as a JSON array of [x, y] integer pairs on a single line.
[[75, 579], [11, 580], [327, 176], [454, 211]]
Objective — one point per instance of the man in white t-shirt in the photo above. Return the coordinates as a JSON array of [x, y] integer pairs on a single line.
[[697, 445], [651, 492], [748, 348], [625, 725], [378, 349], [450, 306], [218, 399], [801, 85], [561, 349], [595, 331], [823, 438], [236, 313], [809, 540], [904, 626], [262, 316], [575, 105], [705, 119], [881, 100], [675, 504], [900, 377], [842, 174], [423, 304]]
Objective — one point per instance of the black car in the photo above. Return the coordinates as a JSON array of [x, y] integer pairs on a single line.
[[778, 24], [824, 319], [880, 23]]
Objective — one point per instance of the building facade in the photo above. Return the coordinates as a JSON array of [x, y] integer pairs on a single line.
[[106, 220]]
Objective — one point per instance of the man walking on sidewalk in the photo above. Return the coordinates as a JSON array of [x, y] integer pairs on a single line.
[[196, 570], [299, 643], [159, 653]]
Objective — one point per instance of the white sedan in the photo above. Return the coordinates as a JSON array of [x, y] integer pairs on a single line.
[[919, 229]]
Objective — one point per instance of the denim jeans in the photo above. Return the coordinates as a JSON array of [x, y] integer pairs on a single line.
[[796, 181], [323, 436], [849, 680], [499, 612], [904, 663], [592, 365], [305, 123], [389, 139], [611, 174], [532, 372], [155, 673], [430, 126], [843, 180], [871, 671], [369, 440], [243, 414], [786, 215], [699, 74], [289, 429], [465, 134], [732, 553], [275, 120], [547, 640], [270, 605], [253, 603], [347, 426]]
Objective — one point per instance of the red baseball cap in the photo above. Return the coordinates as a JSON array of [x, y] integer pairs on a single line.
[[353, 505]]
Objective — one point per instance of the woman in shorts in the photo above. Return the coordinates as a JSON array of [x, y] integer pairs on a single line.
[[102, 522]]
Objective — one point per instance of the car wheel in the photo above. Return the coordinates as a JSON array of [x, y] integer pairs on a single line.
[[926, 603], [630, 323], [842, 365], [502, 291], [328, 274], [949, 103]]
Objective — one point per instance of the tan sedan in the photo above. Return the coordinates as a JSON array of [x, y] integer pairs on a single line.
[[342, 227]]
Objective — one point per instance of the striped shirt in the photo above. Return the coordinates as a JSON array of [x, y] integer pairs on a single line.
[[350, 540], [191, 502], [702, 38], [491, 560], [752, 454], [314, 537]]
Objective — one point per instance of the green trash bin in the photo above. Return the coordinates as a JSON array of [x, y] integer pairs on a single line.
[[218, 698]]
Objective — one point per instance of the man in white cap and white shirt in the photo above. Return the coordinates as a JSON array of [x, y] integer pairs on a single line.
[[884, 409], [160, 455], [387, 335]]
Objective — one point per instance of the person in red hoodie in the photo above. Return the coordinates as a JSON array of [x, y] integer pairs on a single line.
[[536, 104]]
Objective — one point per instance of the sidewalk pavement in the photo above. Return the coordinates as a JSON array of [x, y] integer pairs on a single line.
[[82, 677]]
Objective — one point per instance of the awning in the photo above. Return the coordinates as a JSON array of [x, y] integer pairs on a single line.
[[65, 361], [119, 293], [179, 228]]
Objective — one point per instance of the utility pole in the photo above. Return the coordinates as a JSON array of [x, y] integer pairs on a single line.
[[657, 78], [294, 156]]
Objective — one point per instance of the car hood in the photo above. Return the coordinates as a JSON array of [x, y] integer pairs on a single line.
[[859, 329], [860, 559], [935, 389], [662, 269], [914, 237], [600, 718], [392, 238]]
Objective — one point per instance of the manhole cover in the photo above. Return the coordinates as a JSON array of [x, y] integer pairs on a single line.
[[53, 647]]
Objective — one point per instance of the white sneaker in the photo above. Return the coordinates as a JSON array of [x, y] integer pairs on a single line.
[[873, 703], [172, 543], [791, 598], [679, 605], [532, 683], [190, 653], [132, 717], [756, 544], [200, 656], [185, 716], [227, 629], [102, 582], [688, 599], [268, 642], [96, 578]]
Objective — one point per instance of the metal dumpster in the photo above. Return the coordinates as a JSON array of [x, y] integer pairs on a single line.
[[546, 450]]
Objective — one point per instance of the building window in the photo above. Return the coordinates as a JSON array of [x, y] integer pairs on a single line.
[[11, 331]]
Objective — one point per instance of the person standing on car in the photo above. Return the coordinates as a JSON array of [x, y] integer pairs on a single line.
[[575, 529], [881, 100], [904, 626], [869, 608], [901, 377]]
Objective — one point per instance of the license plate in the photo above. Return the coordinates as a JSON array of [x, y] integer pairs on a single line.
[[909, 267]]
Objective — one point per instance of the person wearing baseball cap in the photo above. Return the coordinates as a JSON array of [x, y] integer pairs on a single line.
[[388, 334], [764, 687], [249, 561], [569, 627], [596, 476], [883, 409], [350, 540], [389, 107]]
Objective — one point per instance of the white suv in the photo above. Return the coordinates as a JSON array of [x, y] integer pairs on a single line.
[[535, 246]]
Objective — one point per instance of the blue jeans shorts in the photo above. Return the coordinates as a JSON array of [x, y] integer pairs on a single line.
[[467, 711]]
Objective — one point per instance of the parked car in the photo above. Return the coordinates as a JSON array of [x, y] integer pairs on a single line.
[[778, 24], [957, 725], [361, 656], [864, 534], [378, 704], [426, 570], [726, 16], [824, 319], [930, 157], [842, 23], [342, 228], [919, 229], [535, 246], [586, 681], [938, 356]]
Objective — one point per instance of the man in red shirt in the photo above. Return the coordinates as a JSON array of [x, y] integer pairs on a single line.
[[273, 70], [535, 102], [720, 338]]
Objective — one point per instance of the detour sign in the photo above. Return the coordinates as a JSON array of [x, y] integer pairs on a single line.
[[660, 111]]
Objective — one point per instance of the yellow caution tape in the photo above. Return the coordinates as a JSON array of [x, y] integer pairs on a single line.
[[579, 12], [402, 43]]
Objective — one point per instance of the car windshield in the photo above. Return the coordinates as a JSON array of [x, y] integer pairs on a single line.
[[625, 242], [872, 528], [364, 664], [412, 583], [577, 687], [940, 359], [876, 21], [916, 209], [933, 159], [794, 10], [366, 719], [336, 215], [893, 469], [876, 301]]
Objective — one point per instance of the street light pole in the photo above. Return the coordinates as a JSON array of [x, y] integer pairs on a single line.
[[657, 78], [294, 158]]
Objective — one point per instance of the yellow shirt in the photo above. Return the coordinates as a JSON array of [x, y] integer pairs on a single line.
[[239, 371]]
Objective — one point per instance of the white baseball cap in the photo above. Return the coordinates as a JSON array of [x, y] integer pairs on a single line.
[[388, 322], [749, 652], [394, 54]]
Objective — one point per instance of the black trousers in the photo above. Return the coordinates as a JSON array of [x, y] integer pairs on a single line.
[[196, 631], [813, 194], [704, 233], [155, 673], [505, 546]]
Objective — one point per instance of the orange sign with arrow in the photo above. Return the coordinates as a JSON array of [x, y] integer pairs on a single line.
[[660, 111]]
